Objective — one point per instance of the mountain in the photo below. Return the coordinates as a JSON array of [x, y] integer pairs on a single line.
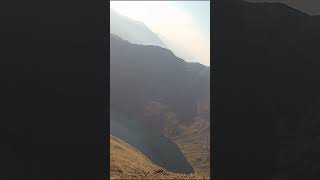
[[163, 96], [311, 7], [266, 91], [133, 31], [126, 162]]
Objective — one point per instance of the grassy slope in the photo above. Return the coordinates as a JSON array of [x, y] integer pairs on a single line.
[[125, 158], [194, 142], [128, 163], [193, 138]]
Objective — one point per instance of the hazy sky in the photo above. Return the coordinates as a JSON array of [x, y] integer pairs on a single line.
[[184, 26]]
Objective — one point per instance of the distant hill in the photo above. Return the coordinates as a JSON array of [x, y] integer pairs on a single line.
[[133, 31]]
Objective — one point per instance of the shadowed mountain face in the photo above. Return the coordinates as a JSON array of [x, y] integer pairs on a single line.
[[155, 146], [311, 7], [149, 73], [266, 91], [160, 95], [133, 31]]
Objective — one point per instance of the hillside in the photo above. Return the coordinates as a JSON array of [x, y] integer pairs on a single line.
[[127, 162], [153, 144], [194, 143], [125, 158], [164, 93]]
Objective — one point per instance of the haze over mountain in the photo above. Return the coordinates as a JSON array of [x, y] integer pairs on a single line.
[[267, 101], [183, 26], [133, 31], [166, 104]]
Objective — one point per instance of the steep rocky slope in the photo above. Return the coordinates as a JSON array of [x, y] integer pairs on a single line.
[[164, 93]]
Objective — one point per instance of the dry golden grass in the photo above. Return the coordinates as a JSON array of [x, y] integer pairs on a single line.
[[124, 158], [159, 176]]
